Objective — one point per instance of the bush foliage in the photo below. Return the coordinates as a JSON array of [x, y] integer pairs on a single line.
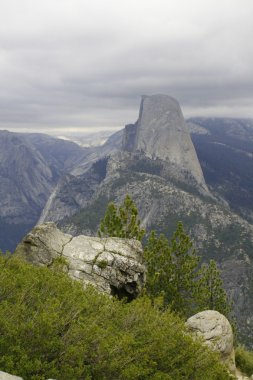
[[50, 327], [244, 360]]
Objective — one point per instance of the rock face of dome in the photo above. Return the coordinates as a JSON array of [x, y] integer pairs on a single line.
[[161, 132]]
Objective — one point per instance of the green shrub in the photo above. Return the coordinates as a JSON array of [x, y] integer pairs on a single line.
[[244, 360], [50, 327], [122, 221], [102, 264]]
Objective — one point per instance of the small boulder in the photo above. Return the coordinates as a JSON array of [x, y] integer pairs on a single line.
[[217, 333]]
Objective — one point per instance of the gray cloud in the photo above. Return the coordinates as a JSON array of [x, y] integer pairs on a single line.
[[80, 65]]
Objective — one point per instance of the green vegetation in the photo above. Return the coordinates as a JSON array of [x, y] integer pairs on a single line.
[[121, 221], [89, 217], [173, 273], [146, 165], [244, 360], [172, 270], [212, 295], [102, 264], [50, 327]]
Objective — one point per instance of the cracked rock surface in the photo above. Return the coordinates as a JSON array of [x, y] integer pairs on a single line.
[[113, 265], [217, 333]]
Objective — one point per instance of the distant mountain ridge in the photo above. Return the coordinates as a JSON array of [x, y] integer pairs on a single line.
[[225, 151], [30, 167]]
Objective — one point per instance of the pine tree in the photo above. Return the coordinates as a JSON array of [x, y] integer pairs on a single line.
[[122, 221], [172, 270], [173, 273], [172, 266], [185, 272], [211, 293], [157, 254]]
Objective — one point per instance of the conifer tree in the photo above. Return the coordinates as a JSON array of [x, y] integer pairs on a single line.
[[172, 266], [158, 259], [185, 272], [172, 270], [121, 221], [211, 293], [173, 273]]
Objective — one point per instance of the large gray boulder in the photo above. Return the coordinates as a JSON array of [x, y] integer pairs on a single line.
[[217, 333], [113, 265]]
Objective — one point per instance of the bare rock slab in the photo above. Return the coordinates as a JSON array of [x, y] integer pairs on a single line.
[[113, 265], [6, 376]]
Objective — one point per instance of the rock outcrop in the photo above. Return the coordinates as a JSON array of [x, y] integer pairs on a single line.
[[112, 265], [6, 376], [161, 132], [217, 333]]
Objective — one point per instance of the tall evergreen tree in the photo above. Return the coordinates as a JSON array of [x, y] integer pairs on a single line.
[[122, 221], [185, 272], [158, 259], [173, 273], [211, 292], [172, 270]]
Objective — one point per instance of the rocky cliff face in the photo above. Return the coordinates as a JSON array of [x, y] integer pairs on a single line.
[[75, 189], [161, 132], [114, 266], [225, 151]]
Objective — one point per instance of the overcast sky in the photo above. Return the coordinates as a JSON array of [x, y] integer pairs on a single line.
[[83, 64]]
